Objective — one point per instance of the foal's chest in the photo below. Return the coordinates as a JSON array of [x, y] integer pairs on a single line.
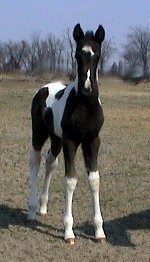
[[83, 121]]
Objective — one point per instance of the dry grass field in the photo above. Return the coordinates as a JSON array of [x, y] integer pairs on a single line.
[[124, 163]]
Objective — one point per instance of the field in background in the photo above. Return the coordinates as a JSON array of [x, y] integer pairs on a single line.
[[124, 163]]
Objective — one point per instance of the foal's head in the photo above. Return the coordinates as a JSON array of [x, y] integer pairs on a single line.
[[88, 52]]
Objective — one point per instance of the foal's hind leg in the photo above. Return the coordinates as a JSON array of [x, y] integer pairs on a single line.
[[35, 160], [51, 162], [38, 138]]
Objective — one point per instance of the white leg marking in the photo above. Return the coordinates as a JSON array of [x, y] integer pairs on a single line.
[[51, 162], [35, 159], [70, 184], [98, 221]]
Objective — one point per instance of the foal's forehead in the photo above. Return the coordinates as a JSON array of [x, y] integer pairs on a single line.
[[89, 46], [88, 49]]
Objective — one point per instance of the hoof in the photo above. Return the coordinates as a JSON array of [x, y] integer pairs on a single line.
[[101, 240], [70, 241], [42, 213]]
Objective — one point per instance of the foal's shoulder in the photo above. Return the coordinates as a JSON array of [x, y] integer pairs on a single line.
[[54, 87]]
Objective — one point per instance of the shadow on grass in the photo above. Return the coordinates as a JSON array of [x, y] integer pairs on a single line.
[[116, 229], [18, 217]]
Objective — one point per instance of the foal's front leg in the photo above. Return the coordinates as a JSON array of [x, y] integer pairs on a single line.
[[90, 152], [69, 148]]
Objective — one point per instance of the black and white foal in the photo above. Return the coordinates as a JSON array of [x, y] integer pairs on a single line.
[[70, 115]]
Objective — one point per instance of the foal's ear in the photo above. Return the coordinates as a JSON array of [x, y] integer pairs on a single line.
[[99, 34], [78, 33]]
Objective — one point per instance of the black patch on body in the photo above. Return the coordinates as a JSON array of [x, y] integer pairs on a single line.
[[59, 94], [42, 119], [55, 140], [40, 97], [48, 118], [82, 119]]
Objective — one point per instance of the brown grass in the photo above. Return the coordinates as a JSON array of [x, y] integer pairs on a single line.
[[124, 164]]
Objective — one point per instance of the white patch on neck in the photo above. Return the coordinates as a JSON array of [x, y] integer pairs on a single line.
[[88, 49], [88, 81]]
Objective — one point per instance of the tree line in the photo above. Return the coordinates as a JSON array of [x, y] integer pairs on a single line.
[[135, 55], [54, 54]]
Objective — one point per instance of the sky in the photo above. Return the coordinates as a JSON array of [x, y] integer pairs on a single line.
[[19, 19]]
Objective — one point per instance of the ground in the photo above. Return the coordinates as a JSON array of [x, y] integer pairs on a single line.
[[124, 163]]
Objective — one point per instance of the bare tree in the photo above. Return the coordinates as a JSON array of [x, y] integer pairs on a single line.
[[130, 56], [3, 56], [31, 54], [106, 52], [114, 69], [55, 53], [137, 50], [44, 55], [120, 68], [70, 52], [15, 52], [60, 55]]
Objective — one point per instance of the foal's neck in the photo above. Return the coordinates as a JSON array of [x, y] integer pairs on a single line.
[[90, 98]]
